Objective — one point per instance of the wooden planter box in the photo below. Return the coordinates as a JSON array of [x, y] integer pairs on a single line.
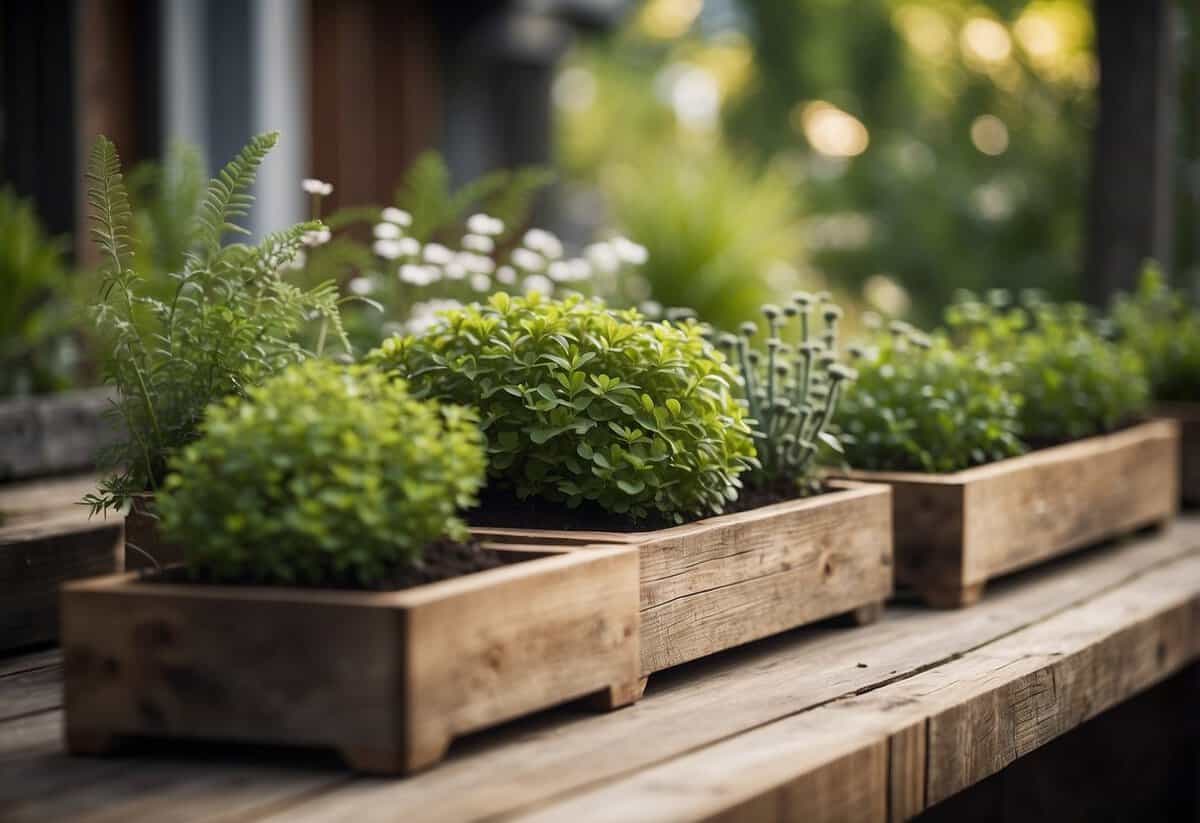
[[724, 581], [54, 433], [385, 678], [1188, 417], [46, 538], [141, 529], [954, 532]]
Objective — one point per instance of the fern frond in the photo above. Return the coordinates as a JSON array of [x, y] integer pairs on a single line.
[[111, 213], [226, 198]]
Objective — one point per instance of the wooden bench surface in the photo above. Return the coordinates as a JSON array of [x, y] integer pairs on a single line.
[[828, 723]]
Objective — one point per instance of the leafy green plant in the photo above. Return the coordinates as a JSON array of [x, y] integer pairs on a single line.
[[1072, 381], [321, 474], [228, 321], [583, 403], [37, 353], [921, 404], [1163, 327], [792, 390]]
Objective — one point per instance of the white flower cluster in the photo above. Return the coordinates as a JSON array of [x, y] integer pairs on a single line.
[[318, 187]]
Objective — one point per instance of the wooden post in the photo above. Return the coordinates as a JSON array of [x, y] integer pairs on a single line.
[[1131, 212]]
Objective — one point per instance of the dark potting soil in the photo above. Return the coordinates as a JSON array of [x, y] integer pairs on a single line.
[[442, 560], [500, 508]]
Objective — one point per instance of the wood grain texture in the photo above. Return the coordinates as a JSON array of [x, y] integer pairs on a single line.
[[954, 532], [419, 666], [791, 698], [725, 581], [933, 734], [40, 550], [1188, 418]]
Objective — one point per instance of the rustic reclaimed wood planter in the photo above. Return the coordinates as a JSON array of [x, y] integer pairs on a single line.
[[385, 678], [724, 581], [47, 538], [1188, 417], [53, 434], [954, 532]]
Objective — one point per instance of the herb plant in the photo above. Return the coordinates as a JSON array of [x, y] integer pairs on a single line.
[[1072, 382], [921, 404], [581, 403], [228, 319], [791, 391], [321, 474], [37, 352], [1163, 327]]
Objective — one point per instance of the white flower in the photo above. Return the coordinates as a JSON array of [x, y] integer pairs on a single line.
[[316, 237], [476, 263], [481, 282], [388, 249], [438, 254], [559, 271], [651, 308], [394, 215], [455, 270], [538, 283], [426, 315], [419, 275], [543, 241], [361, 286], [313, 186], [485, 224], [579, 268], [387, 231], [603, 257], [409, 246], [298, 262], [526, 259], [479, 242], [506, 275], [630, 252]]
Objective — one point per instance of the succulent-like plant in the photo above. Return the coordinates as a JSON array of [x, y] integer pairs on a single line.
[[1072, 381], [920, 404], [180, 339], [792, 390], [1163, 327], [581, 403], [323, 474]]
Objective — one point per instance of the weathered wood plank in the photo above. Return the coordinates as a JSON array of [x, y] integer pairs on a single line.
[[53, 434], [977, 714]]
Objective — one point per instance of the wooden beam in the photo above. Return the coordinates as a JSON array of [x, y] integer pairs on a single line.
[[1131, 209]]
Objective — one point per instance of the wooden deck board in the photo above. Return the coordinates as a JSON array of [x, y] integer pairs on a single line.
[[815, 724]]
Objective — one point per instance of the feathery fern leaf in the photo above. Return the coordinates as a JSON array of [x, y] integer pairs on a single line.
[[111, 212], [226, 198]]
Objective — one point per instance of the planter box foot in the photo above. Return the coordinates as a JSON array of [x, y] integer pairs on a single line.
[[618, 696], [952, 597], [395, 761], [862, 616], [92, 743]]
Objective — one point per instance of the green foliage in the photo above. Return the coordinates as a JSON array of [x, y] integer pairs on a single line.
[[36, 350], [428, 195], [583, 403], [1072, 382], [920, 404], [792, 391], [227, 322], [321, 474], [165, 196], [1163, 327]]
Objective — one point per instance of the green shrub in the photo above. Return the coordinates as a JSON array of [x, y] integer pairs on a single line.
[[227, 321], [583, 403], [920, 404], [1072, 382], [322, 473], [792, 391], [1163, 327], [35, 347]]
